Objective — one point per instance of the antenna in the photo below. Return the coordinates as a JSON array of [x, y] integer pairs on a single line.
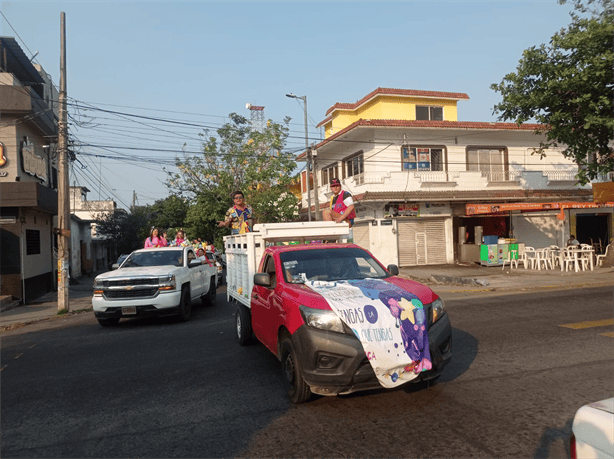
[[257, 118]]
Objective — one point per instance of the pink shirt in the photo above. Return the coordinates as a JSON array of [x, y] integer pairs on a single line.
[[155, 242]]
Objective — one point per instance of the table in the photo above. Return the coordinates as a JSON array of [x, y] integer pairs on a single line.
[[579, 254]]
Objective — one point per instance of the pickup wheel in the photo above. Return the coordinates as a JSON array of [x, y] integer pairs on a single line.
[[292, 374], [210, 298], [185, 306], [243, 325], [113, 321]]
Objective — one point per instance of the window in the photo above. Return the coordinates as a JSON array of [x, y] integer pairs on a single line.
[[422, 158], [424, 112], [486, 159], [328, 174], [354, 165], [304, 181], [33, 242]]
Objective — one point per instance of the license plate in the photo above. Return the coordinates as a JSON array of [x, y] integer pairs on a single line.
[[128, 310]]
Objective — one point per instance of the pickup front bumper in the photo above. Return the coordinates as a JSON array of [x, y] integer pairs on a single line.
[[165, 303], [335, 363]]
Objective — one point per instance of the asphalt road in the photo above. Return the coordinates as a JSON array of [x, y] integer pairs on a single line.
[[158, 388]]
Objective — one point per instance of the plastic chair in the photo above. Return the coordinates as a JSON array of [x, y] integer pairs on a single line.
[[555, 256], [529, 257], [600, 258], [511, 260], [568, 259]]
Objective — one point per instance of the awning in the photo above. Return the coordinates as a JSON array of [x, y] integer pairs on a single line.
[[482, 209]]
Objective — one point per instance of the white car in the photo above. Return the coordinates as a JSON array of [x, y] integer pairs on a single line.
[[592, 433]]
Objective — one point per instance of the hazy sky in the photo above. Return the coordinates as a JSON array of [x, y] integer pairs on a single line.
[[196, 62]]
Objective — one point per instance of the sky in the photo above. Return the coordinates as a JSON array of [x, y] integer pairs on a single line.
[[193, 63]]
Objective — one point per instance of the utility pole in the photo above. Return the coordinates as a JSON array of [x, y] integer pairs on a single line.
[[316, 201], [307, 151], [133, 200], [63, 183]]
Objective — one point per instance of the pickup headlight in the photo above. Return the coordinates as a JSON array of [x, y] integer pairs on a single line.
[[98, 287], [324, 320], [438, 309], [167, 282]]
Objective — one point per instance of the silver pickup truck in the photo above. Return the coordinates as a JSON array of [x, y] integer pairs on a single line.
[[154, 282]]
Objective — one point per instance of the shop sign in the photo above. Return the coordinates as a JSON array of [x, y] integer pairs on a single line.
[[32, 163]]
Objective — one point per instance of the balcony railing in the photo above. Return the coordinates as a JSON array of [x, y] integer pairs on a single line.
[[436, 176], [561, 176], [501, 176]]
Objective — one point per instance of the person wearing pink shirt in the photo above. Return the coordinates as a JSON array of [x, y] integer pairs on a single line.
[[180, 237], [154, 239]]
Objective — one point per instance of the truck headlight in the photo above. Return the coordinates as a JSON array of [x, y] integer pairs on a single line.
[[167, 282], [438, 309], [98, 287], [324, 320]]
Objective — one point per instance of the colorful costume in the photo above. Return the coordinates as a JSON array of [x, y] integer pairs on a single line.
[[241, 219], [341, 202]]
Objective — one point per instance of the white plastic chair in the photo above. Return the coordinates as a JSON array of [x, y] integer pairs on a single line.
[[568, 259], [510, 260], [555, 256], [600, 258], [529, 257]]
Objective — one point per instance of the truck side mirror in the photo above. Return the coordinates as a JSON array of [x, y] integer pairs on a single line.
[[195, 263], [114, 266], [393, 269], [262, 279]]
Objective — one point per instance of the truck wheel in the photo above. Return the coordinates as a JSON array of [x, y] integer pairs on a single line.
[[292, 374], [109, 322], [243, 325], [185, 306], [210, 298]]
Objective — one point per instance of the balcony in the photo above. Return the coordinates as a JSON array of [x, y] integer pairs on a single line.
[[560, 176], [502, 177], [437, 177]]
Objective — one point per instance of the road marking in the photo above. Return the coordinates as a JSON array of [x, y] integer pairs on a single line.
[[608, 334], [589, 324]]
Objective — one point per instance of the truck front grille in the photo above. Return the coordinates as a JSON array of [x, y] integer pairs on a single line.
[[142, 293], [132, 281]]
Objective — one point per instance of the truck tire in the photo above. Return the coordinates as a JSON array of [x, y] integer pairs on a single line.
[[243, 325], [113, 321], [185, 305], [210, 298], [292, 374]]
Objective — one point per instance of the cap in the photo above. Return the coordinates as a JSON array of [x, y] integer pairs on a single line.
[[334, 182]]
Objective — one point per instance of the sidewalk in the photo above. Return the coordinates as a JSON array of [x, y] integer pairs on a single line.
[[474, 277], [441, 278], [46, 306]]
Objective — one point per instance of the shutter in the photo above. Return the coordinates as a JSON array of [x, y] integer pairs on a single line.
[[422, 242], [361, 235]]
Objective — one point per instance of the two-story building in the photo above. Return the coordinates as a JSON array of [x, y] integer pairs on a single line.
[[428, 187], [28, 175]]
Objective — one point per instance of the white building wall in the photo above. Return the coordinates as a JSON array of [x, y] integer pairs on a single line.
[[34, 265]]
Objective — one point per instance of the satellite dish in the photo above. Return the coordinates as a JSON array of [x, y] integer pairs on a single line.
[[248, 106]]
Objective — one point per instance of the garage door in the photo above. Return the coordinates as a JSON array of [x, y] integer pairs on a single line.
[[422, 242], [361, 235]]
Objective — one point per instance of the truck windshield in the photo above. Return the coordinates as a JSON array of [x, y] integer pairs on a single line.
[[154, 258], [329, 265]]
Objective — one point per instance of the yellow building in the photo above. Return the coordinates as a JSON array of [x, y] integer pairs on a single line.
[[393, 104]]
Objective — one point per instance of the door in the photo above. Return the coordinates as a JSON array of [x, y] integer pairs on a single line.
[[422, 242], [197, 277], [263, 315]]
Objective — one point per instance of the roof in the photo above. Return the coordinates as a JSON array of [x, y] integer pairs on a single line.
[[473, 195], [428, 124], [18, 63], [398, 92]]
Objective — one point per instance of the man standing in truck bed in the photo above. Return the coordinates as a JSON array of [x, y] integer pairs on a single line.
[[341, 205]]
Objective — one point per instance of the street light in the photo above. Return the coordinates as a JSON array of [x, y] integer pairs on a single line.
[[304, 99]]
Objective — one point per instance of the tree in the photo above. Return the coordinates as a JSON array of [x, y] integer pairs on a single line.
[[238, 158], [568, 87], [126, 230]]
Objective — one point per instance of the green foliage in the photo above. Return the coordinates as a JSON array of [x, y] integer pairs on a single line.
[[238, 158], [129, 230], [568, 87]]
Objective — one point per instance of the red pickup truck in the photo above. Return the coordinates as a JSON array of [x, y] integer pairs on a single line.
[[297, 311]]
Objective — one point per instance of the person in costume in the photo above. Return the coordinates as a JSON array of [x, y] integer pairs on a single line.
[[240, 217]]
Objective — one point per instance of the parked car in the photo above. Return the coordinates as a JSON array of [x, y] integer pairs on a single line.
[[592, 432]]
